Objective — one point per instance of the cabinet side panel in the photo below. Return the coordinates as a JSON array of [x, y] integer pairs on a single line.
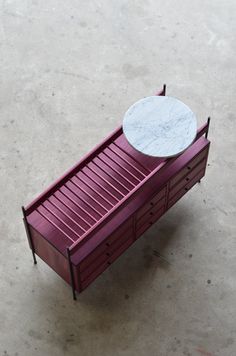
[[52, 257]]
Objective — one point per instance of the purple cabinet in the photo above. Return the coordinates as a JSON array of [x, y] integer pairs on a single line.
[[84, 221]]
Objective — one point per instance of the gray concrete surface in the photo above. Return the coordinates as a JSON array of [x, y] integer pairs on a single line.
[[68, 72]]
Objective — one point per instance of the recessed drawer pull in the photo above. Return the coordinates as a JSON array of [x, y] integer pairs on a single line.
[[107, 244], [108, 254], [152, 204], [187, 179], [189, 168], [186, 189], [151, 213], [150, 223], [108, 262]]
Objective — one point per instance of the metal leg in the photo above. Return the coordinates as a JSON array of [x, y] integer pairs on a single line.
[[71, 274], [208, 124], [29, 235], [164, 90]]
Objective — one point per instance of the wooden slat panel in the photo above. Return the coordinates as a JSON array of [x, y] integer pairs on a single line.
[[57, 223], [124, 172], [63, 218], [96, 208], [78, 166], [129, 159], [79, 203], [107, 179], [81, 180], [84, 219], [147, 162], [124, 163], [88, 204], [114, 173], [97, 183]]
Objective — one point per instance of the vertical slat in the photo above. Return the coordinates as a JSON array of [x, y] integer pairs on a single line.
[[70, 208], [116, 171], [105, 180], [94, 190], [103, 188], [116, 161], [125, 160], [87, 193], [111, 176]]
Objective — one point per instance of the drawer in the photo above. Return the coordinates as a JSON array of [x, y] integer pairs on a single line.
[[158, 196], [105, 255], [203, 154], [94, 265], [93, 256], [150, 213], [116, 253], [102, 248], [187, 178], [94, 274], [124, 229], [94, 271], [184, 190], [154, 201], [149, 221]]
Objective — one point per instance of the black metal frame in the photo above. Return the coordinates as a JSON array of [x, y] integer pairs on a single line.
[[208, 125], [71, 274], [29, 235]]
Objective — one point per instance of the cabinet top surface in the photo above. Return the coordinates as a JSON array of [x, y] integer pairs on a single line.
[[160, 126]]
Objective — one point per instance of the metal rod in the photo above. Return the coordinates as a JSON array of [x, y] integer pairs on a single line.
[[29, 235], [164, 90], [71, 274], [208, 125]]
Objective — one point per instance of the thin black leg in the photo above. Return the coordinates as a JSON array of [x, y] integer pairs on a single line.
[[208, 125], [164, 89], [71, 274], [29, 235]]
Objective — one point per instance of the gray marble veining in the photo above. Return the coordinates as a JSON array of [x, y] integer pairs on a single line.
[[160, 126]]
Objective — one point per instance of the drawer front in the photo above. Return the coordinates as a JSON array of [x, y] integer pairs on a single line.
[[108, 253], [124, 229], [102, 248], [154, 201], [149, 221], [189, 166], [184, 190], [192, 173], [94, 274], [150, 213], [94, 265], [96, 269]]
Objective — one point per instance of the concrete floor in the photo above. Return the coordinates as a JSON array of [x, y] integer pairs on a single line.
[[68, 72]]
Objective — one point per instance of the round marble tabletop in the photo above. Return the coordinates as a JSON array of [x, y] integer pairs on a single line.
[[160, 126]]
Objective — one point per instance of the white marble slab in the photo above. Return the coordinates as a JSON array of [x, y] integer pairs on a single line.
[[160, 126]]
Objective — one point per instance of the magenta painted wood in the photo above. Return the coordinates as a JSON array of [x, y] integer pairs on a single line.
[[95, 211]]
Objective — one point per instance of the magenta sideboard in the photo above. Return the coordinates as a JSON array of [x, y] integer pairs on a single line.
[[91, 215]]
